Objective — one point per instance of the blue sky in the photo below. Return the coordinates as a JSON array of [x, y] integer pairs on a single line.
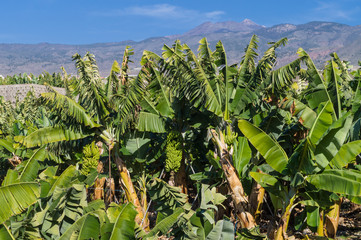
[[92, 21]]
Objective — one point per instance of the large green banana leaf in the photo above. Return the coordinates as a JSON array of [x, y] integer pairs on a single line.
[[47, 135], [197, 75], [356, 101], [272, 152], [306, 115], [5, 233], [30, 171], [332, 140], [60, 210], [163, 103], [283, 76], [86, 227], [150, 122], [248, 63], [338, 181], [165, 224], [7, 145], [226, 71], [113, 80], [15, 198], [270, 183], [68, 106], [346, 154], [224, 230], [10, 178], [332, 77], [242, 154], [125, 223], [63, 180], [322, 123]]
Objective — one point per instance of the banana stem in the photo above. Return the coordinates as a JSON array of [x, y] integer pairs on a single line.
[[239, 198], [129, 189], [256, 200], [320, 226], [282, 229], [332, 219]]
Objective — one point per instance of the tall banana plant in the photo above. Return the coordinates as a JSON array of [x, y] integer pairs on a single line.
[[316, 159], [241, 87], [89, 117], [166, 109], [210, 84]]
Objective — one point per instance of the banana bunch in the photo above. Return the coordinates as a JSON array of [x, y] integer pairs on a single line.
[[90, 159], [229, 136], [173, 151]]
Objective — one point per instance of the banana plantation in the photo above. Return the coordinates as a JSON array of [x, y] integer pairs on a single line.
[[192, 147]]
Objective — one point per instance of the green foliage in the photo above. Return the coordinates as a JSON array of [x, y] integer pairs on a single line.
[[124, 224], [16, 198], [268, 147], [86, 227], [224, 229], [5, 233], [166, 198], [165, 224], [55, 79], [62, 209], [338, 181], [300, 145]]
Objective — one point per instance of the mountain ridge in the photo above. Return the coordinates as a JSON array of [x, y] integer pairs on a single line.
[[318, 38]]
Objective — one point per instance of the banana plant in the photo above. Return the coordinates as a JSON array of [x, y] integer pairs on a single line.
[[87, 118], [209, 83], [309, 163]]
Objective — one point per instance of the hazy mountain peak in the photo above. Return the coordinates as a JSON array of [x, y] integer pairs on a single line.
[[281, 28], [246, 26], [319, 39], [247, 21]]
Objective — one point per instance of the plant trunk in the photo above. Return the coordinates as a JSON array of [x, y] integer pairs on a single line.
[[281, 232], [144, 202], [99, 184], [129, 189], [110, 191], [332, 219], [239, 199], [238, 195], [320, 226], [256, 200], [171, 180], [180, 179]]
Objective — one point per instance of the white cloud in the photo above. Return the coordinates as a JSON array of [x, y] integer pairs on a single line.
[[214, 14], [164, 11]]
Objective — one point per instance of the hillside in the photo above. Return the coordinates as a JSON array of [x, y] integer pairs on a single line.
[[319, 39]]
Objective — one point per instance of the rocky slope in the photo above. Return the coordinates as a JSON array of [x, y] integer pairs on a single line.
[[319, 39]]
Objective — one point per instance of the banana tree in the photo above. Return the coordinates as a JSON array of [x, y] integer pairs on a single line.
[[337, 86], [168, 107], [60, 210], [319, 151], [210, 84], [90, 117]]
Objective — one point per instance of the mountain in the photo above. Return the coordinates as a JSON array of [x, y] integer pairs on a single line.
[[246, 26], [319, 39]]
